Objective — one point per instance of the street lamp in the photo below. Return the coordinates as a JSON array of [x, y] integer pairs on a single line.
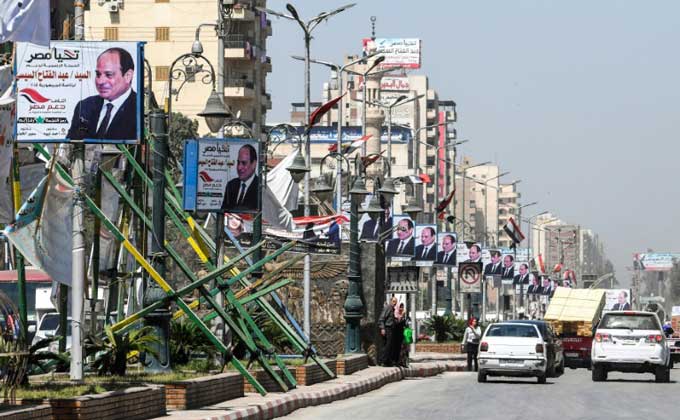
[[465, 169], [486, 204], [339, 70], [519, 225], [307, 27]]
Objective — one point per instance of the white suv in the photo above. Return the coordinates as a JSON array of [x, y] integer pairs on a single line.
[[630, 341]]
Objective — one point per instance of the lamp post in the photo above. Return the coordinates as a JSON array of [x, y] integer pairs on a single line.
[[486, 204], [519, 225], [339, 70], [401, 100], [465, 169], [307, 28], [215, 113]]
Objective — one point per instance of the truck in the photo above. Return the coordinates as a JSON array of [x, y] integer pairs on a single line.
[[573, 314]]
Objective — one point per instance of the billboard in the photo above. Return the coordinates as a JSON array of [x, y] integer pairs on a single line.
[[394, 83], [655, 261], [617, 300], [403, 243], [446, 254], [404, 52], [221, 175], [426, 243], [79, 90], [401, 114], [321, 134]]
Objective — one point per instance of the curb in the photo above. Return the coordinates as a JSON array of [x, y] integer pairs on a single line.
[[287, 403]]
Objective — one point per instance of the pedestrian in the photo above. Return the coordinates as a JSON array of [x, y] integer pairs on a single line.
[[471, 339], [398, 334], [407, 338], [386, 324]]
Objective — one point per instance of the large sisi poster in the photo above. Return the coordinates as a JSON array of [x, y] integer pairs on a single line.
[[79, 90], [221, 175]]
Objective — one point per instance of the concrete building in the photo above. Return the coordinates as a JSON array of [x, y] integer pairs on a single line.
[[563, 245], [169, 27], [508, 205]]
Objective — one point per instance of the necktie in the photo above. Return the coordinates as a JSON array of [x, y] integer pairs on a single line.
[[446, 258], [103, 127], [424, 252], [242, 194], [401, 247], [375, 231]]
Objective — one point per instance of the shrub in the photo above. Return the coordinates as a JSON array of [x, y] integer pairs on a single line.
[[445, 328]]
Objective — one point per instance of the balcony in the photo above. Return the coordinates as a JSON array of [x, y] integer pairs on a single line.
[[238, 46], [238, 88], [267, 65], [431, 114], [242, 12]]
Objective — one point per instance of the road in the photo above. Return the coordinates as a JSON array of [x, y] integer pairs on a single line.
[[459, 396]]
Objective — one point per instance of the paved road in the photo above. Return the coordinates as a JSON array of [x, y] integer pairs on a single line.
[[459, 396]]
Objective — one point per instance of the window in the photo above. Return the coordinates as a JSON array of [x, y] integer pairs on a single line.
[[162, 73], [527, 331], [162, 1], [163, 33], [110, 33]]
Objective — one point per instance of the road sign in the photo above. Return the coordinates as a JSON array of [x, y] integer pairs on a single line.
[[470, 276]]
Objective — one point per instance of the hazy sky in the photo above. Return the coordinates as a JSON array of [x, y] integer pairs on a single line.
[[578, 99]]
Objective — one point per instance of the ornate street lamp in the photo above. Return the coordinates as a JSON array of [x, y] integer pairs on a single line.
[[412, 209]]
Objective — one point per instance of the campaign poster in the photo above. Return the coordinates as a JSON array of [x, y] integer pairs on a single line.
[[221, 175], [79, 90], [446, 249], [371, 230], [617, 300], [403, 243], [426, 244]]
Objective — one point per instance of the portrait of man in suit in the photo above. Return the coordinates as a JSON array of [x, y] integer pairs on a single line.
[[622, 302], [240, 195], [535, 287], [427, 250], [371, 230], [547, 287], [523, 276], [508, 267], [447, 255], [494, 267], [112, 113], [475, 254], [404, 244]]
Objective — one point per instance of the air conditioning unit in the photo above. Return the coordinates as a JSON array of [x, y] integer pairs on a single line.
[[112, 7]]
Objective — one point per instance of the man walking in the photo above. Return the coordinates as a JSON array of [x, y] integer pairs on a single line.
[[386, 324]]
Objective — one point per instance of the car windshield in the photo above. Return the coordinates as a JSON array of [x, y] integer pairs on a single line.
[[49, 322], [629, 322], [507, 330]]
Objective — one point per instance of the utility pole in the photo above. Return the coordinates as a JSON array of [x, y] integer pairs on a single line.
[[78, 245]]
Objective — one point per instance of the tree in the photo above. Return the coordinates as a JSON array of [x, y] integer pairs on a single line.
[[181, 128]]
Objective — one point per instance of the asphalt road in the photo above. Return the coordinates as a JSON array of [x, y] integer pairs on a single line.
[[459, 396]]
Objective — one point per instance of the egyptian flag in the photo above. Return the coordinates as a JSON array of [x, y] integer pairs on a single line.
[[513, 232], [425, 178], [348, 148], [321, 111], [445, 202], [541, 264], [557, 268], [370, 159]]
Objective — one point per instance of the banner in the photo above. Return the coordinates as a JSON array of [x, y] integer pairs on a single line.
[[7, 114], [617, 300], [446, 254], [426, 244], [79, 90], [398, 52], [655, 261], [30, 176], [403, 243], [221, 175]]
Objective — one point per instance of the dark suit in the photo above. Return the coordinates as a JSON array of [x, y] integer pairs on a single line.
[[431, 253], [231, 196], [619, 307], [519, 279], [508, 273], [393, 245], [123, 125], [489, 271], [368, 232], [452, 258], [535, 290]]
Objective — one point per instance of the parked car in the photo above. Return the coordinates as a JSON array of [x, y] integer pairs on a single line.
[[520, 348], [630, 341], [49, 327]]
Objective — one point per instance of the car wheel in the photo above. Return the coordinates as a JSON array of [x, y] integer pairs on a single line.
[[662, 374], [599, 373], [481, 376], [541, 378]]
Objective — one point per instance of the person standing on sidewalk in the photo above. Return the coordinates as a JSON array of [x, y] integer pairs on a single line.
[[471, 339], [386, 324], [398, 333]]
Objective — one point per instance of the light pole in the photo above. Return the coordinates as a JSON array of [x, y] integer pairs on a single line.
[[486, 205], [401, 100], [519, 225], [307, 27], [339, 70], [465, 169]]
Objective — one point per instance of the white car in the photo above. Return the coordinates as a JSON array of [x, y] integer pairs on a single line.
[[49, 327], [630, 341], [520, 348]]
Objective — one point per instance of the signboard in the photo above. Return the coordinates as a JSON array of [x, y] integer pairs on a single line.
[[317, 247], [402, 279], [403, 243], [79, 90], [446, 249], [404, 52], [426, 243], [401, 114], [221, 175], [394, 83], [321, 134], [655, 261], [470, 277], [617, 300]]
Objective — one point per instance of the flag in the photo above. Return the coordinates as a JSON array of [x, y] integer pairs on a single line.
[[7, 113], [445, 202], [541, 264], [348, 148], [413, 179], [513, 231], [321, 111], [425, 178], [369, 160], [557, 268], [25, 21]]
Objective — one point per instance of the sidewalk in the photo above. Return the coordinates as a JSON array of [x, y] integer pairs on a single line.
[[254, 406]]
